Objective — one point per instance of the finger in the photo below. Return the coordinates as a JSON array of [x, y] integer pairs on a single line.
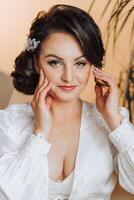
[[45, 83], [43, 86], [49, 101], [105, 78], [107, 93], [33, 104], [44, 92], [101, 83], [98, 91], [108, 80], [36, 95], [41, 78], [97, 71], [101, 71]]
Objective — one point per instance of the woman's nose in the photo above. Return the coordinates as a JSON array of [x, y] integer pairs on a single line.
[[67, 74]]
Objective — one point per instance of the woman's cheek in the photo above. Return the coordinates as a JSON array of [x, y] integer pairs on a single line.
[[51, 76], [84, 77]]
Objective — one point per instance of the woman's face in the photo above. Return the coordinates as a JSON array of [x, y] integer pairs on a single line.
[[64, 64]]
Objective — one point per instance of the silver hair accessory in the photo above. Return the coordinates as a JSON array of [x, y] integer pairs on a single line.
[[31, 44]]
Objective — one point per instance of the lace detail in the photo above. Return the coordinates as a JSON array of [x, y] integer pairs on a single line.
[[61, 190], [58, 196], [16, 125], [36, 147]]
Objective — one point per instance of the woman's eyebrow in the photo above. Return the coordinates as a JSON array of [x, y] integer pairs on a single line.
[[53, 55]]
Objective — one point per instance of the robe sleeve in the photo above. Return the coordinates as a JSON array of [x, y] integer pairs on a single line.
[[21, 169], [123, 141]]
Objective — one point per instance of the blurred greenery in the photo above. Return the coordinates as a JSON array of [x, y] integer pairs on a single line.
[[121, 12]]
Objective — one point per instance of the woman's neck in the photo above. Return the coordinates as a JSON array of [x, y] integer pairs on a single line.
[[63, 111]]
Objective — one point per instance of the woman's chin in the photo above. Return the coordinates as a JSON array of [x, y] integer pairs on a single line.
[[63, 97]]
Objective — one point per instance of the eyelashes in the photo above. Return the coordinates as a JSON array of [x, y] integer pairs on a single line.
[[55, 63], [83, 63]]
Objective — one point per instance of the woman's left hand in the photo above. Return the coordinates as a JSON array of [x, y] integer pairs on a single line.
[[106, 102]]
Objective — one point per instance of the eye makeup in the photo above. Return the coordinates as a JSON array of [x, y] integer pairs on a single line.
[[57, 62], [54, 63]]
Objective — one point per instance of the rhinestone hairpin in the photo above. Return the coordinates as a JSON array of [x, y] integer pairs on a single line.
[[31, 44]]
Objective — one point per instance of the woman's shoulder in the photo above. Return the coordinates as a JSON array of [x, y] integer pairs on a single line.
[[15, 114], [19, 108], [92, 113], [14, 120], [92, 108]]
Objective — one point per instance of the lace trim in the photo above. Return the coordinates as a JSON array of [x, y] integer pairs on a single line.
[[58, 196]]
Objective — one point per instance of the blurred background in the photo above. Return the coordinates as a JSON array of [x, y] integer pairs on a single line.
[[116, 21]]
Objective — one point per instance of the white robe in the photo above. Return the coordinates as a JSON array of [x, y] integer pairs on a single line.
[[24, 164]]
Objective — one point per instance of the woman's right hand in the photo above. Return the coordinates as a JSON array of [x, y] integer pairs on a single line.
[[41, 106]]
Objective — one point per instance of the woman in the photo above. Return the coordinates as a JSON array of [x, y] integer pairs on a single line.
[[58, 146]]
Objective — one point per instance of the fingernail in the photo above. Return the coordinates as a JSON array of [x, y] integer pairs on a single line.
[[95, 68], [40, 71], [52, 86]]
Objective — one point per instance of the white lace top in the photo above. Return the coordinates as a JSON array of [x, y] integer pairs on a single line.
[[60, 190]]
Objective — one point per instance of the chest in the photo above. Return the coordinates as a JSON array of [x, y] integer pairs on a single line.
[[62, 155], [89, 152]]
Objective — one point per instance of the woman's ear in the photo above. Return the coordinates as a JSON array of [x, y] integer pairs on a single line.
[[36, 65]]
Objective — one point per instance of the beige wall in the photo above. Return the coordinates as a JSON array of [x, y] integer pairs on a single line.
[[15, 20]]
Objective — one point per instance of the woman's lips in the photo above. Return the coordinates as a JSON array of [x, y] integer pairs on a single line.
[[68, 88]]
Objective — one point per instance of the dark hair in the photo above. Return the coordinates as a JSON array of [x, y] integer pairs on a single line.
[[60, 18]]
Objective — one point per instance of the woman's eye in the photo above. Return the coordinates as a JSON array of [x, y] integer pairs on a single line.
[[54, 63], [80, 64]]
